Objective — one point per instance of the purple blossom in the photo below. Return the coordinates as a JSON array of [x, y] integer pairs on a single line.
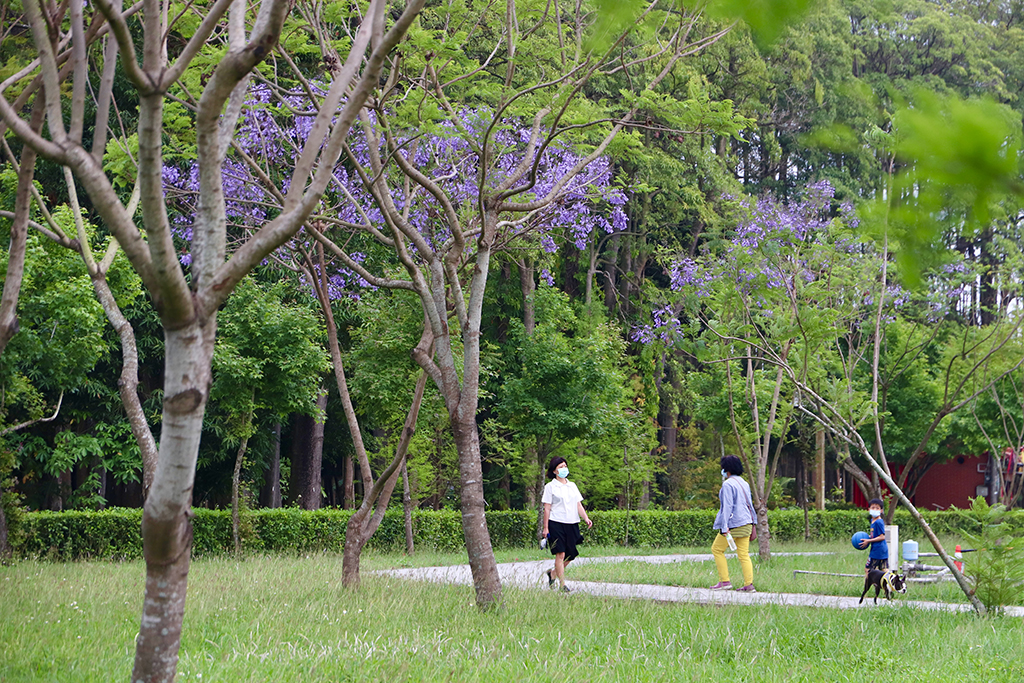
[[275, 126], [664, 327]]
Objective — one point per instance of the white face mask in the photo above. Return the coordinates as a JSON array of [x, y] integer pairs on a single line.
[[725, 475], [562, 472], [875, 513]]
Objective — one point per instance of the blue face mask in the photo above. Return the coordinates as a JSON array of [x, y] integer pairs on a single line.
[[725, 475], [875, 513], [562, 472]]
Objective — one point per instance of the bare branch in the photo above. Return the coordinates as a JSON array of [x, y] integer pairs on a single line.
[[29, 423], [127, 46], [279, 230], [355, 265], [205, 29]]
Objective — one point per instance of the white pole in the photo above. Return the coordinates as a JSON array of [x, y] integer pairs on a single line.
[[892, 539]]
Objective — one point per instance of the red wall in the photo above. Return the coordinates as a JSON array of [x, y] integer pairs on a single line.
[[951, 483], [945, 484]]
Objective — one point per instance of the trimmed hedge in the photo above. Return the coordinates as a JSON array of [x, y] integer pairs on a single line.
[[115, 533]]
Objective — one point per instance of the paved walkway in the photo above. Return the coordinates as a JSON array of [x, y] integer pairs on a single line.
[[528, 575]]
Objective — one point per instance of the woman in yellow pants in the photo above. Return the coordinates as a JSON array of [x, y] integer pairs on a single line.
[[736, 519]]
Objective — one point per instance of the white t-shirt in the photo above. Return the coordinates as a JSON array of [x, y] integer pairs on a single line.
[[563, 499]]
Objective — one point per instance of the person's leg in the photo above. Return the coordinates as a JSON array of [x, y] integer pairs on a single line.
[[743, 555], [560, 568], [718, 549]]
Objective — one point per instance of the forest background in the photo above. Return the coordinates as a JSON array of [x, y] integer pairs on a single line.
[[717, 275]]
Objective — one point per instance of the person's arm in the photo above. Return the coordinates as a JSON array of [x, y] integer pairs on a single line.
[[547, 513], [583, 514], [873, 539], [728, 497]]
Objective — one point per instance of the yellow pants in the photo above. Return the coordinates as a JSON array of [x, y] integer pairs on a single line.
[[741, 535]]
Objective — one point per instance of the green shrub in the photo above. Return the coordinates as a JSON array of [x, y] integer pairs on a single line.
[[998, 568], [115, 533]]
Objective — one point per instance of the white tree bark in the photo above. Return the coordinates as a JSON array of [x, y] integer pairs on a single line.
[[188, 313]]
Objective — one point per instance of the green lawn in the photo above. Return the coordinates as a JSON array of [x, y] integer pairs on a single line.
[[775, 575], [288, 619]]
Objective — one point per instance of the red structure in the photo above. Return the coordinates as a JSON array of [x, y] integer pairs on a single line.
[[954, 482]]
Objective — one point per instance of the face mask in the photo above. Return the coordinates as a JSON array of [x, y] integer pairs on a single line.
[[562, 472], [875, 513], [725, 475]]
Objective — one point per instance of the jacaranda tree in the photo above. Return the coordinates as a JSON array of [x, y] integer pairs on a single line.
[[187, 306]]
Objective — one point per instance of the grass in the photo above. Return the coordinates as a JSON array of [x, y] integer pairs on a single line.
[[288, 619], [775, 575]]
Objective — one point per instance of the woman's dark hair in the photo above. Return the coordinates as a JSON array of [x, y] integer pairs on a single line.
[[553, 465], [876, 501], [732, 465]]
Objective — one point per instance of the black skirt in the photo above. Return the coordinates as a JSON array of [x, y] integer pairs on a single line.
[[562, 538]]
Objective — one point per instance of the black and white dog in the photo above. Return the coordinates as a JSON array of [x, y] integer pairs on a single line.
[[889, 581]]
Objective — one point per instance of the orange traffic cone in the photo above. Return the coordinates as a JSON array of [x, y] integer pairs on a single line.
[[959, 559]]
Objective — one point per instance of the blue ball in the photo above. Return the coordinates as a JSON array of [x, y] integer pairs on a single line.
[[858, 537]]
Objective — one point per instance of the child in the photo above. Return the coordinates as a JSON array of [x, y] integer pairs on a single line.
[[878, 558]]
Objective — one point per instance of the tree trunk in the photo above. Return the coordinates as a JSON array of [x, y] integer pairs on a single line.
[[5, 548], [362, 525], [236, 520], [101, 490], [611, 275], [995, 486], [527, 286], [591, 272], [819, 468], [536, 492], [349, 483], [301, 454], [128, 381], [318, 277], [801, 495], [270, 496], [407, 508], [315, 491], [474, 523], [532, 491], [64, 488], [236, 476], [988, 287], [307, 456], [19, 234], [764, 534], [167, 514], [570, 266], [667, 430]]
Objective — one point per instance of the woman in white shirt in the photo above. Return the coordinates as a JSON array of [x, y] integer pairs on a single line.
[[563, 508]]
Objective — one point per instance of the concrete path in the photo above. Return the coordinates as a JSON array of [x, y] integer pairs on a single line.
[[530, 575]]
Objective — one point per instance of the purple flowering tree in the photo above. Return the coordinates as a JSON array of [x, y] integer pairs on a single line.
[[456, 157], [769, 308], [238, 42], [586, 205], [798, 314]]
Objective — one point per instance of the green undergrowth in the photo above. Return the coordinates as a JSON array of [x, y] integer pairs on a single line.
[[282, 619]]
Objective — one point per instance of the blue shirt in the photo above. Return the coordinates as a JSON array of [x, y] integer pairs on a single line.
[[735, 506], [879, 549]]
